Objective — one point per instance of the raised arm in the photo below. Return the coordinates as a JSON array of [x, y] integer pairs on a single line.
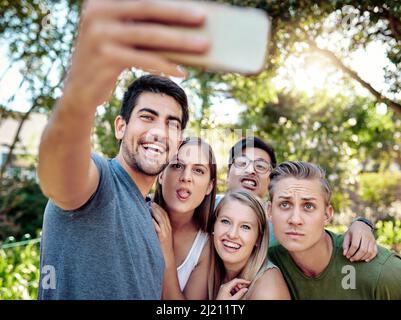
[[108, 42]]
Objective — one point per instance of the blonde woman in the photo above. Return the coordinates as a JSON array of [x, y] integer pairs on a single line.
[[239, 265]]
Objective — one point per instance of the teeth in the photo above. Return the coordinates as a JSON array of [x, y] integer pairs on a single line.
[[153, 147], [250, 183], [231, 244]]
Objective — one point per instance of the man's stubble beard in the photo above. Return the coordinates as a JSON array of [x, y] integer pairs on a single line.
[[131, 158]]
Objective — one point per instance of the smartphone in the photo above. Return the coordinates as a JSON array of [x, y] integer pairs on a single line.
[[239, 38]]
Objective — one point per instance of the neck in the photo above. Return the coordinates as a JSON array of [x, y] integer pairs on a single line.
[[181, 220], [230, 273], [233, 270], [314, 260], [143, 181]]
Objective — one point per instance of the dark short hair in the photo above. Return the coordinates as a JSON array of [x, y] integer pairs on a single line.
[[251, 142], [154, 84]]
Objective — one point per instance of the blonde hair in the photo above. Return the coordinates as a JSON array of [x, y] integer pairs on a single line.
[[299, 170], [258, 257]]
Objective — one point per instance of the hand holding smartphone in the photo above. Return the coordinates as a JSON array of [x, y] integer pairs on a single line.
[[239, 38]]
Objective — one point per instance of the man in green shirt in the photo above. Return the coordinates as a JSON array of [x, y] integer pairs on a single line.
[[309, 256]]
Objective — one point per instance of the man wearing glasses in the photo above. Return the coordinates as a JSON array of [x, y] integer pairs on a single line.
[[251, 161]]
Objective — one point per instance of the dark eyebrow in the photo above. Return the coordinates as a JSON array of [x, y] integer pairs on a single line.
[[154, 112], [285, 197], [260, 158], [206, 167]]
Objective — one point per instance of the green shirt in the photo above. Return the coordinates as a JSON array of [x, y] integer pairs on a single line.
[[342, 279]]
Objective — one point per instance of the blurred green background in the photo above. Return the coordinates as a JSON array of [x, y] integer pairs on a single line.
[[330, 95]]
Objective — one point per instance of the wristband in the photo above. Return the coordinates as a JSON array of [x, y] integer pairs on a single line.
[[366, 221]]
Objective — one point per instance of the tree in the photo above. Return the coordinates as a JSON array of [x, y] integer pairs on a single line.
[[299, 25], [42, 46]]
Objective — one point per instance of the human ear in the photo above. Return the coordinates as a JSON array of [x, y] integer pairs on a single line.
[[328, 214], [160, 177], [209, 187], [269, 210], [119, 127]]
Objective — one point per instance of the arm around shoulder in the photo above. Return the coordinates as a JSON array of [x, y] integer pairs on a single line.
[[270, 286]]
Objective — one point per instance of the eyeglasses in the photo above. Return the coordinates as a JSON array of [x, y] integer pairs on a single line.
[[260, 165]]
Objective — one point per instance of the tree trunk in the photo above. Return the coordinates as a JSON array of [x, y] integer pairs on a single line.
[[15, 141]]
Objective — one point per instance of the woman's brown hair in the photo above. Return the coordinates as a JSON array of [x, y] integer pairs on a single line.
[[204, 210]]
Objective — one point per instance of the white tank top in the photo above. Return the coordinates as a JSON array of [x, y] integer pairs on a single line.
[[191, 260]]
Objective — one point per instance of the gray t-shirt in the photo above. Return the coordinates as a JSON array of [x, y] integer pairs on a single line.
[[107, 249]]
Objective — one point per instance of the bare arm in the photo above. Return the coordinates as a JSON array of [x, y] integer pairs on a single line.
[[107, 43], [196, 287], [270, 286]]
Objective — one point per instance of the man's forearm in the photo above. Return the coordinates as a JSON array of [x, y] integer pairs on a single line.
[[64, 153]]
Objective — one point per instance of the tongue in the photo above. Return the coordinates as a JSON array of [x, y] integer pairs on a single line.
[[183, 194]]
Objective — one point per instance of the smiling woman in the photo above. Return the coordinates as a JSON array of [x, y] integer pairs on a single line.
[[239, 265]]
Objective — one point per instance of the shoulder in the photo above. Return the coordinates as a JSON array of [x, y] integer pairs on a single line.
[[270, 286], [104, 191], [277, 253], [389, 282], [391, 263], [205, 254], [102, 164], [337, 238]]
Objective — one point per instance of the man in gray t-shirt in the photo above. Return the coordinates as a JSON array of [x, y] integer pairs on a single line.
[[103, 245], [98, 240], [104, 249]]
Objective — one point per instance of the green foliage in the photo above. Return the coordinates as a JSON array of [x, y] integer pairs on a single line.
[[104, 130], [21, 207], [337, 228], [361, 22], [19, 272], [339, 133], [343, 133], [389, 234], [380, 189]]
